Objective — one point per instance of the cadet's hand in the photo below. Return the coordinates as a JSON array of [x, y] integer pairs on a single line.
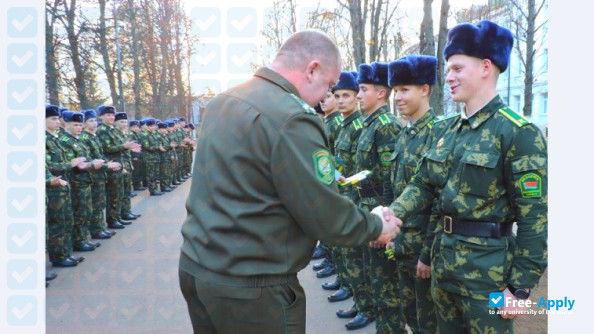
[[83, 165], [423, 270], [506, 309], [162, 149], [391, 226], [112, 165], [131, 144], [173, 144], [56, 181], [98, 163], [76, 161]]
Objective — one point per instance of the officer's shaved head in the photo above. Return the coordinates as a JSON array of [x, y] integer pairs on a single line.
[[304, 46], [310, 60]]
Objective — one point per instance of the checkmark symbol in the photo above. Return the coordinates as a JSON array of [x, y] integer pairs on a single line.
[[21, 61], [206, 60], [20, 134], [496, 300], [167, 313], [21, 25], [21, 313], [22, 168], [240, 25], [94, 277], [20, 277], [130, 241], [129, 277], [20, 241], [167, 277], [20, 97], [203, 25], [56, 313], [129, 313], [240, 61], [94, 313], [167, 241], [20, 206]]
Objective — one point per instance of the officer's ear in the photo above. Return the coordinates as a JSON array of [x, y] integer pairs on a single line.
[[311, 68]]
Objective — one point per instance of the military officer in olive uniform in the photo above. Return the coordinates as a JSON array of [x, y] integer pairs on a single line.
[[252, 226], [411, 79], [488, 167]]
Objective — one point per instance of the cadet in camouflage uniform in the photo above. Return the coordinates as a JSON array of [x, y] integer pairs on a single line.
[[80, 180], [188, 149], [345, 149], [374, 149], [138, 174], [489, 168], [59, 219], [121, 123], [152, 146], [114, 148], [166, 157], [175, 138], [251, 227], [97, 226], [411, 79]]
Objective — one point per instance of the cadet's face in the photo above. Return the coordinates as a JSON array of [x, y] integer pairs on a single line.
[[463, 75], [346, 100], [407, 99], [328, 103], [52, 123], [122, 124], [91, 124], [74, 127], [108, 119], [367, 97]]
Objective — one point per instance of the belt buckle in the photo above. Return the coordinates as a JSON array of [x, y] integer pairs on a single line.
[[447, 220]]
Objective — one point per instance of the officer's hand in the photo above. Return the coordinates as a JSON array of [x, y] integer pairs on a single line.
[[391, 226], [376, 244], [423, 270], [506, 309]]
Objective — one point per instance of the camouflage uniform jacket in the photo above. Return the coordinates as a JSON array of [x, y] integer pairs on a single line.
[[73, 148], [374, 149], [345, 147], [94, 145], [112, 142], [135, 136], [150, 144], [491, 167], [56, 162], [332, 127], [417, 233]]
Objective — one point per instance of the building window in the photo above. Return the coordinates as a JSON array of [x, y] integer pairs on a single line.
[[545, 103]]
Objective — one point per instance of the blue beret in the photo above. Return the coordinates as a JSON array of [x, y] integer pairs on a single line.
[[150, 121], [62, 110], [73, 116], [162, 125], [120, 116], [106, 110], [346, 81], [134, 122], [413, 70], [376, 74], [191, 125], [486, 40], [51, 111], [181, 119], [170, 124], [89, 114]]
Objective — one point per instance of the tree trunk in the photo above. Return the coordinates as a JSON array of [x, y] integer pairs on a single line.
[[436, 100], [79, 73], [136, 62], [529, 75], [357, 14], [427, 41], [103, 49]]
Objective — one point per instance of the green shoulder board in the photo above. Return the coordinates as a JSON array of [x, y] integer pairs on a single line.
[[338, 120], [305, 106], [513, 116], [357, 124], [385, 119], [439, 119]]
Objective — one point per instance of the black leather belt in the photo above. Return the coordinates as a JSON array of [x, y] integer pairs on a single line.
[[476, 228], [371, 191]]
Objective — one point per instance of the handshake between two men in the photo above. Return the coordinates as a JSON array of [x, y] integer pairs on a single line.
[[391, 226]]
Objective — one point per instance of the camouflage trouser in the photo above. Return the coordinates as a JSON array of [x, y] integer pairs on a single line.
[[415, 294], [355, 262], [383, 283], [165, 171], [126, 191], [82, 210], [187, 160], [113, 196], [152, 175], [176, 166], [97, 222], [341, 274], [138, 173], [461, 314], [59, 225]]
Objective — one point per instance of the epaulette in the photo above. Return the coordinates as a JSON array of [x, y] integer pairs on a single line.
[[357, 124], [514, 117], [338, 120], [306, 107], [384, 119]]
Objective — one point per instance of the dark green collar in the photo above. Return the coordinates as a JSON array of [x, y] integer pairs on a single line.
[[351, 118], [485, 112], [277, 79], [380, 111]]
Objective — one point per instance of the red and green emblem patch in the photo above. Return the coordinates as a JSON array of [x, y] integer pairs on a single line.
[[386, 158], [531, 185], [323, 166]]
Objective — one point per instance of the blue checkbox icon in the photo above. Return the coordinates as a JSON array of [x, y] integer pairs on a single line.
[[496, 299], [22, 166], [21, 130], [131, 310], [21, 238], [206, 22], [240, 56], [21, 202], [22, 310], [207, 59], [21, 274], [22, 94], [22, 22], [131, 274], [22, 58], [94, 310], [242, 22]]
